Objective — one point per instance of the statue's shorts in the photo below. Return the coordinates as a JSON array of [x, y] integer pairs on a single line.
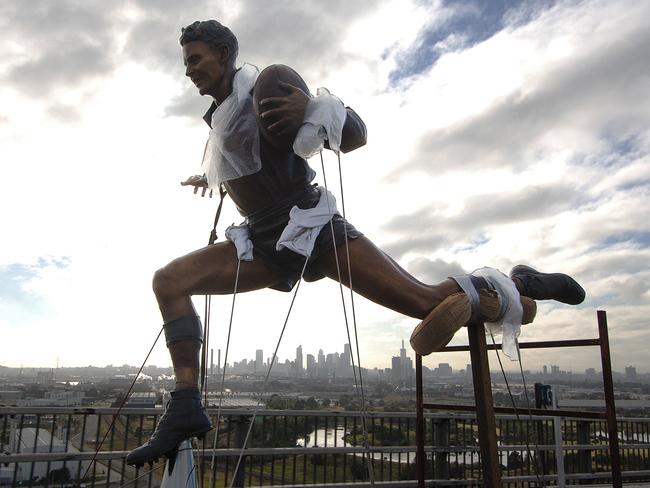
[[266, 227]]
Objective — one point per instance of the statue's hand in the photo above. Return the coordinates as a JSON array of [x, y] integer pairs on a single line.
[[284, 115], [198, 181]]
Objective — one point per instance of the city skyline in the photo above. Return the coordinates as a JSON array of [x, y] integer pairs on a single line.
[[260, 364]]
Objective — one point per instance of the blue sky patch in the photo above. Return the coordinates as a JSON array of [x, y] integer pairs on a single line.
[[471, 22], [481, 240], [635, 238], [16, 303], [620, 151]]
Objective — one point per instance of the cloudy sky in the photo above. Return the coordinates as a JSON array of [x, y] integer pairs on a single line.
[[500, 132]]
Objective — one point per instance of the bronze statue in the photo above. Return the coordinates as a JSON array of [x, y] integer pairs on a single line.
[[266, 178]]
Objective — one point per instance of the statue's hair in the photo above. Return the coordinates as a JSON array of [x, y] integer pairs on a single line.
[[212, 33]]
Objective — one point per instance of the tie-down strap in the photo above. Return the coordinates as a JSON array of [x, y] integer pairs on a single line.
[[510, 315], [470, 284]]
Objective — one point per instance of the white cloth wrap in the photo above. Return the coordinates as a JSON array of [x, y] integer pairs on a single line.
[[510, 323], [305, 224], [233, 147], [239, 235], [324, 119]]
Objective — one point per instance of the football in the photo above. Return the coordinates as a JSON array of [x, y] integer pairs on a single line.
[[268, 85]]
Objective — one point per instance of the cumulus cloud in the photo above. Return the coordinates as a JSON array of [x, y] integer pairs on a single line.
[[434, 271], [563, 106], [188, 104], [435, 229], [263, 39], [57, 45]]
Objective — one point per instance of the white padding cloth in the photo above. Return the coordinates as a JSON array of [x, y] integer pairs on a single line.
[[305, 224], [510, 324], [324, 119], [239, 235], [233, 147]]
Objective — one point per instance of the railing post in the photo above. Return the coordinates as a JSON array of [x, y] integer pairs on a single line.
[[242, 424], [583, 428], [558, 438], [559, 452], [420, 458], [441, 439], [484, 405]]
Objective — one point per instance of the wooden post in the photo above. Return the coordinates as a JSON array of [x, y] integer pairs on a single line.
[[610, 405], [484, 405]]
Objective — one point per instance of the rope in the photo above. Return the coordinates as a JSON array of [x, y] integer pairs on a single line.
[[268, 374], [204, 368], [358, 384], [223, 376], [207, 313], [126, 397], [514, 406]]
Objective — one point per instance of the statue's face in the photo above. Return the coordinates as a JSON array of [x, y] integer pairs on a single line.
[[204, 66]]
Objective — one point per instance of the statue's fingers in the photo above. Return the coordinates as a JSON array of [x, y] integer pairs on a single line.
[[278, 126]]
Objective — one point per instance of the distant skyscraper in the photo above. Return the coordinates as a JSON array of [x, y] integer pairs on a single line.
[[345, 357], [322, 372], [630, 373], [444, 369], [396, 369], [299, 360], [259, 360], [311, 365]]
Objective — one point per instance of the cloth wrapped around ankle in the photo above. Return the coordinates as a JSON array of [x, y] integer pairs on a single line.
[[509, 323]]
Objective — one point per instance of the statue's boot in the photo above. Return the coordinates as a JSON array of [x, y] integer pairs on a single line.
[[185, 417], [548, 286], [483, 303]]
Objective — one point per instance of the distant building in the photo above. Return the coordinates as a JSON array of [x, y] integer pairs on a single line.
[[10, 397], [299, 368], [142, 399], [344, 365], [259, 360], [56, 398], [630, 373], [444, 369], [311, 366]]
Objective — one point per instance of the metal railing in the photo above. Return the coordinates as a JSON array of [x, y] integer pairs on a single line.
[[55, 446]]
